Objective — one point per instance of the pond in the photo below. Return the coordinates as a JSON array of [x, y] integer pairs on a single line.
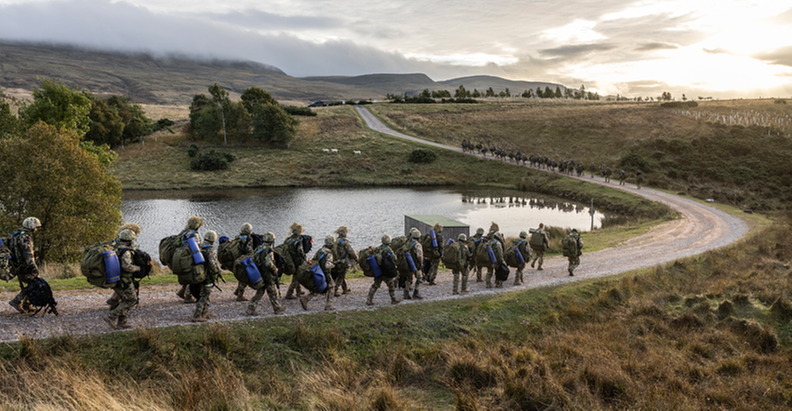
[[367, 212]]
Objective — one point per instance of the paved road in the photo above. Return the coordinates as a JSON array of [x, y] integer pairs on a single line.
[[699, 228]]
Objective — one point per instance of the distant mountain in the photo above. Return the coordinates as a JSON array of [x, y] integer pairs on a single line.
[[175, 79]]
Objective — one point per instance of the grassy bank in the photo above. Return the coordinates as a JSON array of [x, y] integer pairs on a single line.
[[710, 331], [736, 151]]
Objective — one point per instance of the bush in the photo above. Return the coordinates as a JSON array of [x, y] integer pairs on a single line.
[[634, 161], [679, 104], [423, 156], [210, 161], [299, 111], [193, 150]]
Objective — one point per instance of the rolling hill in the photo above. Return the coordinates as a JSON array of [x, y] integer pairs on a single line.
[[175, 79]]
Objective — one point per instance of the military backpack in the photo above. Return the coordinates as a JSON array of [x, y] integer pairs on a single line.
[[454, 257], [363, 260], [569, 246], [39, 295], [229, 251], [93, 265], [513, 256], [537, 241]]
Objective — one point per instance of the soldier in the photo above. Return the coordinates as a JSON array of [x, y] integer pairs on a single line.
[[344, 257], [193, 224], [124, 288], [415, 249], [113, 300], [622, 177], [496, 243], [23, 261], [212, 268], [433, 250], [385, 252], [540, 242], [473, 244], [523, 248], [464, 257], [639, 177], [297, 254], [574, 252], [246, 247], [270, 276], [323, 257]]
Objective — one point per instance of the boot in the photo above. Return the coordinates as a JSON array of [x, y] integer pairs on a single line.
[[370, 299], [199, 319], [122, 323], [110, 321], [407, 294], [190, 300], [290, 292], [278, 310], [241, 297], [304, 301], [454, 292], [417, 295], [337, 292], [570, 273], [517, 278], [181, 293], [17, 306], [251, 310], [329, 307], [498, 284], [113, 302], [395, 300], [532, 263]]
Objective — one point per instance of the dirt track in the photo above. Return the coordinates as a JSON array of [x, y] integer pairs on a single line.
[[699, 229]]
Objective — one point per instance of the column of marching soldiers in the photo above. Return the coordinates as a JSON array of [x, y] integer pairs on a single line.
[[569, 167], [405, 262]]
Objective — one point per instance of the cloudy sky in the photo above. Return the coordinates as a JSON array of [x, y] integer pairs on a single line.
[[720, 48]]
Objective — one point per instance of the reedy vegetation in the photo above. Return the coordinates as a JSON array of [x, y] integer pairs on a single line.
[[707, 331]]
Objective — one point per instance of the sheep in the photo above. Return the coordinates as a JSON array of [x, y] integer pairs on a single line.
[[356, 152], [334, 150], [324, 150]]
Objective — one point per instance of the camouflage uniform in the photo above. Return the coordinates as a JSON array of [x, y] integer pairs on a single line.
[[473, 244], [416, 252], [124, 289], [270, 286], [433, 255], [346, 259], [525, 250], [466, 255], [26, 270], [323, 257], [574, 261], [539, 256], [639, 177], [390, 282], [298, 256], [496, 243], [212, 267], [246, 244], [191, 230]]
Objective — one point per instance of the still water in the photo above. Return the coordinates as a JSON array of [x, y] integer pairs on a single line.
[[367, 212]]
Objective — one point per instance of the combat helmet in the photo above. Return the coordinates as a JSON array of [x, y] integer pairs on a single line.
[[268, 237], [210, 236], [296, 228], [461, 237], [480, 231], [127, 235], [329, 241], [386, 239], [31, 223], [415, 233], [130, 226], [194, 223], [246, 229], [523, 234]]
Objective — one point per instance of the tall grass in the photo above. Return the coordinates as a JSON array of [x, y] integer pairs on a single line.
[[711, 331]]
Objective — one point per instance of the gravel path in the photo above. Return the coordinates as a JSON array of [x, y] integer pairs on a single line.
[[699, 229]]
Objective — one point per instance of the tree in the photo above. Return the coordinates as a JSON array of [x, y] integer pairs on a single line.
[[547, 92], [254, 96], [71, 189], [461, 92], [539, 92], [273, 125], [9, 125], [60, 106], [558, 92], [107, 126], [136, 124]]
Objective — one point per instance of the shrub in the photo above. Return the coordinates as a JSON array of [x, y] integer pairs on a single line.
[[210, 161], [299, 111], [634, 161], [193, 150], [421, 155], [679, 104]]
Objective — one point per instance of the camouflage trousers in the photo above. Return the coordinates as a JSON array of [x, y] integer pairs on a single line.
[[412, 278], [329, 294], [202, 306], [464, 273], [272, 292], [488, 278], [519, 276], [478, 274], [390, 282], [340, 282], [22, 293], [127, 298], [574, 262], [432, 274], [538, 257]]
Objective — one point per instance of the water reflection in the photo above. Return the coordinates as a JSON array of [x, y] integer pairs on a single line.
[[368, 212]]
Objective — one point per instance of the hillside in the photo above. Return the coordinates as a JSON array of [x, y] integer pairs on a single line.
[[175, 79]]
